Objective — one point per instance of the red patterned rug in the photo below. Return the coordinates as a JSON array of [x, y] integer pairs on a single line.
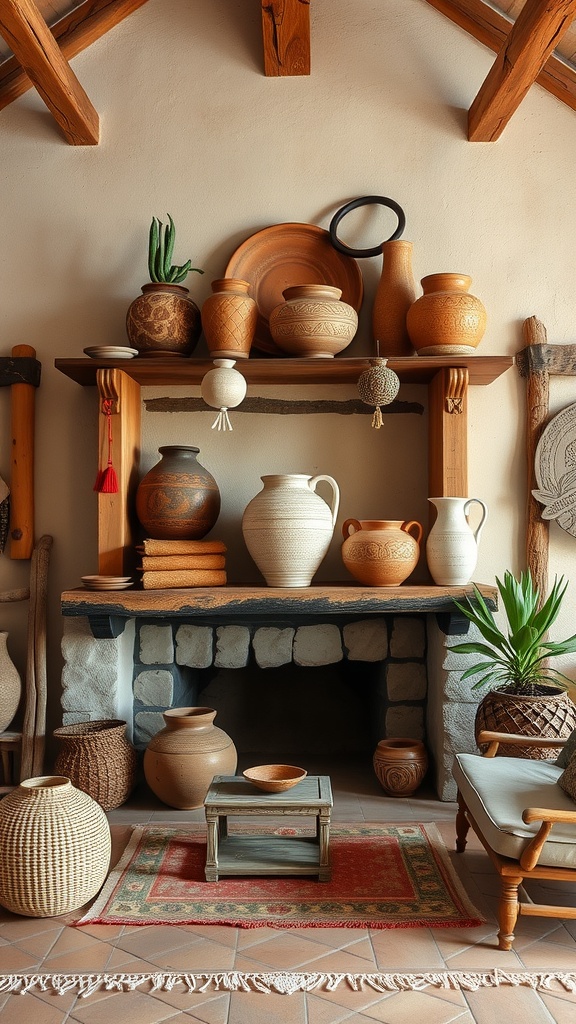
[[383, 876]]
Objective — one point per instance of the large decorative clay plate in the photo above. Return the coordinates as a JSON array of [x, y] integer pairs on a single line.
[[555, 468], [287, 254]]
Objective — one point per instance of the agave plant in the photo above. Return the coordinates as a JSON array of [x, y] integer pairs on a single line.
[[517, 660], [160, 252]]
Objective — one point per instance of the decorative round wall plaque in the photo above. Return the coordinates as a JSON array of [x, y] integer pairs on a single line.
[[555, 467]]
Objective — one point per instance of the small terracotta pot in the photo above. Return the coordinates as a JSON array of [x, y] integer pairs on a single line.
[[163, 321], [446, 319], [380, 552], [400, 765], [312, 322], [229, 319]]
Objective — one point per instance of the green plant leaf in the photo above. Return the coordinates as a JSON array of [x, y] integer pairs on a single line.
[[152, 249], [169, 245], [159, 265]]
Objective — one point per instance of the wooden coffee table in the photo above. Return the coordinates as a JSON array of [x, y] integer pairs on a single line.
[[267, 854]]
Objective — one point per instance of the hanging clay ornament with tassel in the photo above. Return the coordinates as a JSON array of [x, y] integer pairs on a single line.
[[378, 386], [223, 388]]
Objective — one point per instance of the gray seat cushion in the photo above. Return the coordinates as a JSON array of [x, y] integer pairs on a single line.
[[496, 791]]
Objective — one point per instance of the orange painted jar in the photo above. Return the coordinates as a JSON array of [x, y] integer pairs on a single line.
[[381, 552]]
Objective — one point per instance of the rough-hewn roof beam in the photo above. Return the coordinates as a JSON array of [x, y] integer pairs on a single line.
[[32, 42], [286, 36], [492, 28]]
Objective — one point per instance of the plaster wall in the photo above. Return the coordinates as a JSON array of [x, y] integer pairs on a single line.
[[191, 126]]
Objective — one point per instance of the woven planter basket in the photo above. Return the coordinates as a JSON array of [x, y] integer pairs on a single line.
[[551, 716], [98, 759], [54, 848]]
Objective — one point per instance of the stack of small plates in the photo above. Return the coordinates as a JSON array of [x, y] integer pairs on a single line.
[[110, 352], [107, 582]]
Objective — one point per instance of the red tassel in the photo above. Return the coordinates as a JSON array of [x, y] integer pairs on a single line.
[[106, 479]]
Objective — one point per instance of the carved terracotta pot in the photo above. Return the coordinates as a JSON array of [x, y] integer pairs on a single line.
[[446, 319], [229, 319], [380, 552], [400, 765], [182, 759], [178, 499], [163, 321], [312, 322]]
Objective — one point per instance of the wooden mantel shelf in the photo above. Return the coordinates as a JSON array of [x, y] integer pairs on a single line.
[[108, 611], [174, 371]]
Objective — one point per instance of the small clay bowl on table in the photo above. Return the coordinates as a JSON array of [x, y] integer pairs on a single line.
[[274, 778]]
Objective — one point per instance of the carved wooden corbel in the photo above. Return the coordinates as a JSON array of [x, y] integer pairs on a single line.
[[457, 389]]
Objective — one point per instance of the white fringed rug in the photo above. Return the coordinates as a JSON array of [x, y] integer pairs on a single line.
[[285, 983]]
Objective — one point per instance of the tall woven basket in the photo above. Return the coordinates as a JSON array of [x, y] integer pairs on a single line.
[[98, 759], [54, 848]]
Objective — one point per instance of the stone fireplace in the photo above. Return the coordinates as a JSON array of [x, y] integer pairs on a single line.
[[337, 683]]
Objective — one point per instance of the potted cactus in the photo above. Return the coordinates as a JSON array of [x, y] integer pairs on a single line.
[[164, 320]]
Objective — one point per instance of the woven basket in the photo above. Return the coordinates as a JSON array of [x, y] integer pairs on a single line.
[[54, 848], [552, 716], [98, 759]]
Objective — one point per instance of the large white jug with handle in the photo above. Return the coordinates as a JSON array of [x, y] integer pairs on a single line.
[[452, 545]]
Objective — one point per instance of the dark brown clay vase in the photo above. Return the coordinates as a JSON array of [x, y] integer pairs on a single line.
[[182, 759], [400, 765], [178, 499], [163, 321]]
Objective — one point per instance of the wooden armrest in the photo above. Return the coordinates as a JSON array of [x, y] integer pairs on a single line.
[[548, 817], [494, 739]]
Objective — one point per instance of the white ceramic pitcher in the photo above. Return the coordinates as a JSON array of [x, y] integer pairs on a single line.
[[452, 545], [288, 527]]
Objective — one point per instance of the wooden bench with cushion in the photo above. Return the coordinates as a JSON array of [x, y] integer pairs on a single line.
[[524, 819]]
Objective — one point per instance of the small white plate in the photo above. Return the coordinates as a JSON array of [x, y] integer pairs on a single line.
[[110, 352]]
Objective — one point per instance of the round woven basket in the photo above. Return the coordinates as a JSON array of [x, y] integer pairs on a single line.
[[98, 759], [54, 848], [551, 716]]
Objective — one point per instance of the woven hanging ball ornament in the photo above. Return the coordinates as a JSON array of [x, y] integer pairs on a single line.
[[223, 388], [378, 386]]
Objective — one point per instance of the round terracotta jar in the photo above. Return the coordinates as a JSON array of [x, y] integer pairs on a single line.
[[380, 552], [178, 499], [312, 322], [182, 759], [400, 765], [163, 321], [446, 319], [229, 318]]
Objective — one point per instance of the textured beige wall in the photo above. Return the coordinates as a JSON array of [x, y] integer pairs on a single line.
[[190, 125]]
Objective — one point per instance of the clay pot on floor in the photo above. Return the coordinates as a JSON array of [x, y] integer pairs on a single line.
[[400, 765], [182, 759]]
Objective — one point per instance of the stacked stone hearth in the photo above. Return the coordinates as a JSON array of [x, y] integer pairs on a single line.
[[397, 665]]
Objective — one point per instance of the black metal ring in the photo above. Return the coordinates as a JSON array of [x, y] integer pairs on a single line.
[[376, 250]]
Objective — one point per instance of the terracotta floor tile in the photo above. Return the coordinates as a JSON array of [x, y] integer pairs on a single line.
[[342, 961], [560, 1011], [322, 1012], [254, 1008], [24, 1009], [156, 940], [93, 958], [480, 958], [38, 945], [287, 952], [209, 1007], [14, 960], [407, 1007], [72, 940], [345, 997], [127, 1007], [200, 956], [13, 927], [406, 949], [549, 956], [506, 1003]]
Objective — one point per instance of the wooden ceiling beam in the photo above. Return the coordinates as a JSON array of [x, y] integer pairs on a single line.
[[492, 28], [535, 33], [73, 33], [32, 42], [286, 37]]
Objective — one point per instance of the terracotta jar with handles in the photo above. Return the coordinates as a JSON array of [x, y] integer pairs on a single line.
[[381, 552]]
